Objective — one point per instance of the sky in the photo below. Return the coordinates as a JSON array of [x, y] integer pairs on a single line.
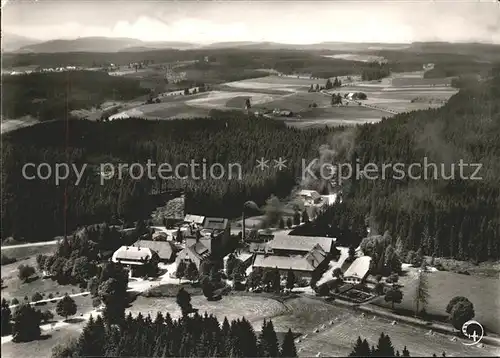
[[298, 22]]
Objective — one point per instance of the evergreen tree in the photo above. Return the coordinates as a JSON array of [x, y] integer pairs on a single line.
[[406, 353], [183, 299], [421, 296], [25, 323], [291, 280], [360, 349], [288, 347], [296, 217], [92, 339], [268, 341], [305, 216], [352, 254], [191, 272], [181, 270], [6, 316], [384, 347]]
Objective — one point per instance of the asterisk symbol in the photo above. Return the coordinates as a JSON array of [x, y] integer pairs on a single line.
[[280, 163], [262, 163]]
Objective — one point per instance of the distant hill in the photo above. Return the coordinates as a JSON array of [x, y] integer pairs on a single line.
[[13, 42], [101, 44]]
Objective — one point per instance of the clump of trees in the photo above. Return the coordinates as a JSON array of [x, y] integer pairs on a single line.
[[460, 310], [24, 272], [25, 323], [384, 348], [192, 335]]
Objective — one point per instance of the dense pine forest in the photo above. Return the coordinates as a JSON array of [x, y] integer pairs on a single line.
[[35, 209], [53, 95], [458, 218]]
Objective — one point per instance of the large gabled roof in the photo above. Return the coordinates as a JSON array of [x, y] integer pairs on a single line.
[[300, 243], [197, 219], [164, 249], [359, 268], [132, 253]]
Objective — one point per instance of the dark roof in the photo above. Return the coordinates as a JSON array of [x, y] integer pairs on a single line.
[[199, 250], [164, 249], [216, 223]]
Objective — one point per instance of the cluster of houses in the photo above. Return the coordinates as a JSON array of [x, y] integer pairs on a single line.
[[208, 237], [202, 237], [32, 69]]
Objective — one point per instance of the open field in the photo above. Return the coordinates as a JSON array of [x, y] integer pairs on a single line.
[[443, 286], [8, 125], [337, 339], [361, 57], [338, 327], [303, 315], [14, 288]]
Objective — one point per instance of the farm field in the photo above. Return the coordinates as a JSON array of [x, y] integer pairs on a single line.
[[336, 339], [304, 314], [356, 57], [443, 286]]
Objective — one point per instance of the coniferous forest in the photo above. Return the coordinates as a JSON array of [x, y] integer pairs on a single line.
[[453, 217], [189, 336]]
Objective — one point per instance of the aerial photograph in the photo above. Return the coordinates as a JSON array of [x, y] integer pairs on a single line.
[[250, 178]]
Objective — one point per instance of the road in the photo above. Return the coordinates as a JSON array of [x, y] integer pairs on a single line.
[[31, 244]]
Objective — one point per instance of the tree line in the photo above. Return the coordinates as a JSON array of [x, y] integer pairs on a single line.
[[192, 335]]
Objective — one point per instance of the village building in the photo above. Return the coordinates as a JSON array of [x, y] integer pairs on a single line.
[[196, 253], [202, 241], [307, 266], [165, 249], [141, 261], [306, 256], [358, 271]]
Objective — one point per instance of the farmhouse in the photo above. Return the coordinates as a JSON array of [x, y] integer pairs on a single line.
[[310, 197], [141, 260], [299, 245], [307, 256], [194, 219], [195, 253], [305, 266], [165, 249], [357, 272]]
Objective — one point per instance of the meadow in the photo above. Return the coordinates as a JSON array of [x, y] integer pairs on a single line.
[[443, 286]]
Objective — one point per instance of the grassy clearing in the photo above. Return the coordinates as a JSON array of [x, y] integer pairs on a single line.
[[14, 288], [338, 339], [254, 308], [42, 347], [27, 251], [171, 290], [414, 81], [443, 286]]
